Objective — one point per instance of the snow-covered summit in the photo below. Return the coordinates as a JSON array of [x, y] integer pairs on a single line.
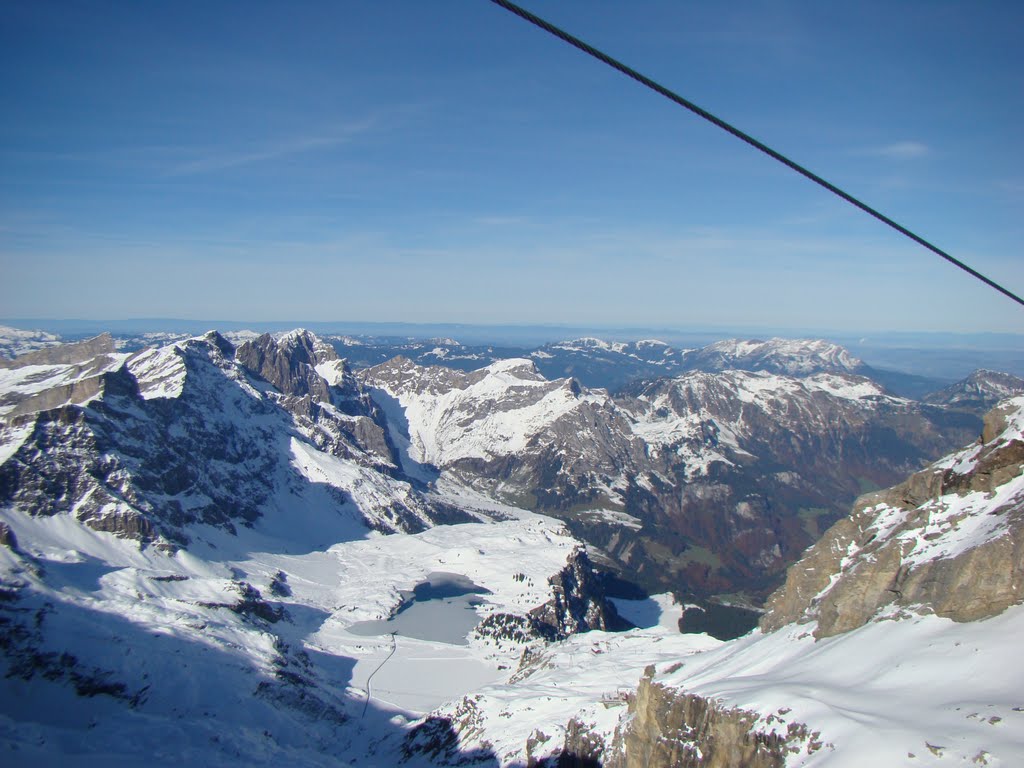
[[17, 341], [795, 357], [497, 411], [589, 343], [981, 390], [152, 444], [518, 368]]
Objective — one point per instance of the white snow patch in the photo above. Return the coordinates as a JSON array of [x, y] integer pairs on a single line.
[[880, 692]]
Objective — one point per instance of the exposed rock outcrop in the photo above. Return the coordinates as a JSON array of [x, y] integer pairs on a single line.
[[185, 434], [289, 364], [949, 540], [579, 603], [65, 354], [7, 537], [667, 728]]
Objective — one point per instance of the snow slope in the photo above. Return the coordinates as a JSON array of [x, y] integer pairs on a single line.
[[905, 687], [914, 691], [461, 421], [232, 654]]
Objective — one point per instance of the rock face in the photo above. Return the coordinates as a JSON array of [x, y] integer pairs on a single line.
[[579, 602], [65, 354], [290, 363], [666, 728], [147, 445], [949, 540]]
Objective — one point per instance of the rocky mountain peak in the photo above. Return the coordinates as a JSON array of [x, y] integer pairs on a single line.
[[514, 367], [289, 363], [978, 392], [225, 347], [949, 540], [307, 344]]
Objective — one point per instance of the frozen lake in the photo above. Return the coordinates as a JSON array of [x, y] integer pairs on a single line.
[[441, 609]]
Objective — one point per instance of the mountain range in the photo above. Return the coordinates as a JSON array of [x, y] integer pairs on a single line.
[[210, 540], [892, 642]]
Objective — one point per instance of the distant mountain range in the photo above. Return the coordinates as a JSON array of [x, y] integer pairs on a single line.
[[936, 357], [709, 478]]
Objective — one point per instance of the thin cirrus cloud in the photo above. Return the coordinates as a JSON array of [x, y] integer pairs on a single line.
[[900, 150], [212, 160]]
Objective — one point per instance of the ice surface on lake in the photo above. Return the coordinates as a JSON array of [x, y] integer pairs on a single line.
[[441, 609]]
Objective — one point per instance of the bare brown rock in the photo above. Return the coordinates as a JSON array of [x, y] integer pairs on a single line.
[[949, 540], [65, 354], [667, 728]]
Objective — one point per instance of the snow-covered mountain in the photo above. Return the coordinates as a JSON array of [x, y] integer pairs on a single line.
[[597, 363], [508, 430], [894, 642], [611, 365], [794, 357], [749, 467], [366, 352], [18, 341], [230, 556], [978, 392], [708, 482], [145, 445], [192, 564]]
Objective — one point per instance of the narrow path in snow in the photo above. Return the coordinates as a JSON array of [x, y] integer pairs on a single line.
[[394, 647]]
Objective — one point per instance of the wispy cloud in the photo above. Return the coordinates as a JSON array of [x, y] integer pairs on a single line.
[[210, 160], [900, 150], [1013, 186], [501, 221]]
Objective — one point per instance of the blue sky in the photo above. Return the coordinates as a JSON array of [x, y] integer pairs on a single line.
[[446, 162]]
